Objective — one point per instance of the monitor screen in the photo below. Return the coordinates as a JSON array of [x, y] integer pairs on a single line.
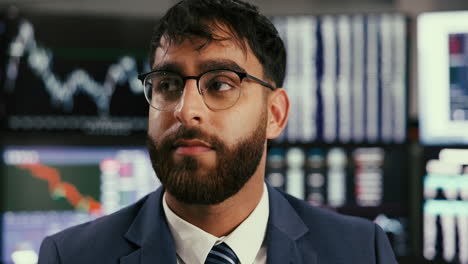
[[445, 205], [443, 78], [346, 78], [76, 74], [46, 189], [370, 182]]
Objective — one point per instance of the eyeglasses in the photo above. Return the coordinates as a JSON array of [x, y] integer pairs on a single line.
[[220, 89]]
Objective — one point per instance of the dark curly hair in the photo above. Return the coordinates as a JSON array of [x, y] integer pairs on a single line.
[[201, 18]]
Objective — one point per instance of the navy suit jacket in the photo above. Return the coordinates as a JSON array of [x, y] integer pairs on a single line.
[[297, 233]]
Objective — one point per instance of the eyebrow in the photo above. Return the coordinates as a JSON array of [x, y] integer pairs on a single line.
[[208, 65], [223, 64], [170, 67]]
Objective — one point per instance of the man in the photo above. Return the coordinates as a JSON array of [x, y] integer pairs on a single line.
[[215, 99]]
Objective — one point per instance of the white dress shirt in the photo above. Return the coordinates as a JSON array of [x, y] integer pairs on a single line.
[[247, 240]]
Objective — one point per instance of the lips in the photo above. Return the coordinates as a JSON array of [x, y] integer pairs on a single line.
[[191, 147]]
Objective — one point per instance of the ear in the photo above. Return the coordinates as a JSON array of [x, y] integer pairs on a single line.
[[278, 112]]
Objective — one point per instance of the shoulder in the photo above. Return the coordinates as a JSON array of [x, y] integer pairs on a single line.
[[334, 237], [118, 221], [82, 242], [314, 217]]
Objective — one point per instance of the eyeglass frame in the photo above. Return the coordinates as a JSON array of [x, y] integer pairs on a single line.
[[242, 76]]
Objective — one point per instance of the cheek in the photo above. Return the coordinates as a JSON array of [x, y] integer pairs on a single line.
[[231, 127], [241, 123], [158, 123]]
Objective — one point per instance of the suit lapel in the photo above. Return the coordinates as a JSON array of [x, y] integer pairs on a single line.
[[285, 228], [151, 233], [133, 258]]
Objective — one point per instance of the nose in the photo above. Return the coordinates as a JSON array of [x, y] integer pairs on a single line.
[[191, 109]]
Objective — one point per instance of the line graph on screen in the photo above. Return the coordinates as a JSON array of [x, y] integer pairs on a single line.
[[62, 190], [40, 59]]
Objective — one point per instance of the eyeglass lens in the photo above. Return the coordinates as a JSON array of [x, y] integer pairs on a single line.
[[219, 89]]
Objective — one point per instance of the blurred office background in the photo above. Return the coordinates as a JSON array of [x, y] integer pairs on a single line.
[[378, 127]]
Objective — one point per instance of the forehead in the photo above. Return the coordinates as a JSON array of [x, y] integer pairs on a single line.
[[195, 53]]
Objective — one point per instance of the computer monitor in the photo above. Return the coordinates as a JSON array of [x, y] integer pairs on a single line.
[[346, 78], [445, 205], [46, 189], [75, 74], [364, 181], [443, 78]]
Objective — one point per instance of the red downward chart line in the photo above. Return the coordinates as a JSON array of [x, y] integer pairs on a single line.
[[58, 188]]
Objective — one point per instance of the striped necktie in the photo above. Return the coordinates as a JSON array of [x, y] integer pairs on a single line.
[[221, 254]]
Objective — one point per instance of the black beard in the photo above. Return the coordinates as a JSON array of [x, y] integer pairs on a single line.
[[233, 168]]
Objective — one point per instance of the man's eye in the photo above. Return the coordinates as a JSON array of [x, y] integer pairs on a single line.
[[167, 86], [219, 86], [220, 83]]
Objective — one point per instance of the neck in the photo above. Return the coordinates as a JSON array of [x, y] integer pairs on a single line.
[[221, 219]]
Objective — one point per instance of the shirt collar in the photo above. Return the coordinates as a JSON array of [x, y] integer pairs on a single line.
[[246, 240], [193, 244]]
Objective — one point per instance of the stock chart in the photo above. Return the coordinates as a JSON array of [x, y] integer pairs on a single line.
[[84, 81]]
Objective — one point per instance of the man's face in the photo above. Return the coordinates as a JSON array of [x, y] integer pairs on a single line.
[[204, 156]]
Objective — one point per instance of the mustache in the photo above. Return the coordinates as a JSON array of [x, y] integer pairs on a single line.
[[187, 133]]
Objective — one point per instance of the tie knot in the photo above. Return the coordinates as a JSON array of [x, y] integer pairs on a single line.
[[222, 254]]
